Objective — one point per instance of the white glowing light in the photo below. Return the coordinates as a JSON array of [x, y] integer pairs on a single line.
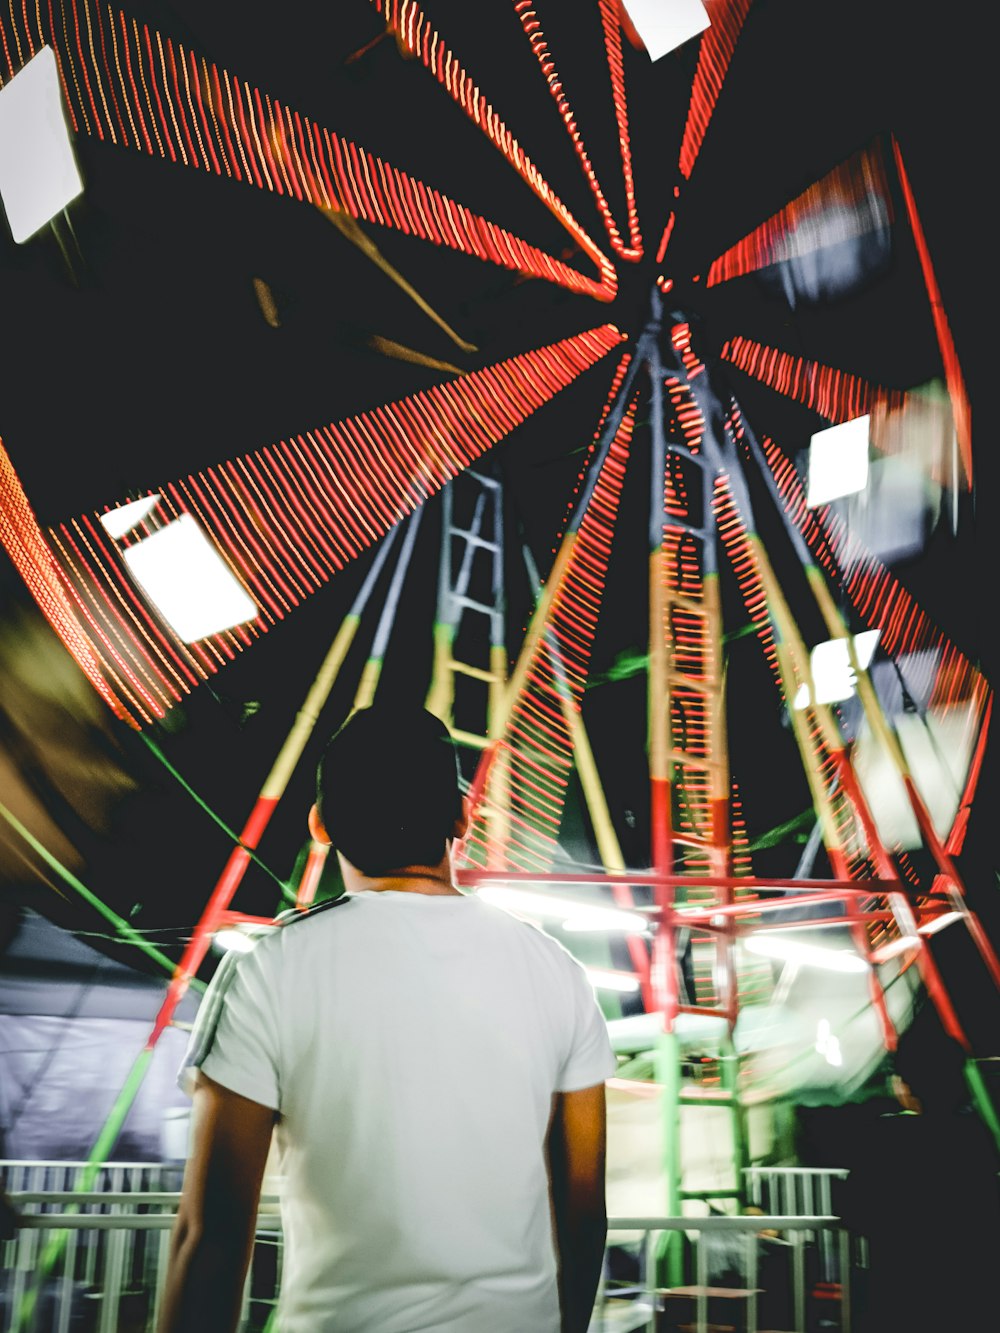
[[233, 940], [938, 746], [838, 461], [664, 25], [587, 919], [38, 171], [188, 582], [939, 922], [895, 947], [782, 947], [830, 663], [603, 978], [574, 915], [827, 1044], [116, 522]]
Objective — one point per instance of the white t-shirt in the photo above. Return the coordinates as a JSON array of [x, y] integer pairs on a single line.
[[411, 1044]]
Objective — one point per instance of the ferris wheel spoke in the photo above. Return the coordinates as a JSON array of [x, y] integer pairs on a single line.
[[523, 778], [939, 686], [420, 39], [190, 111], [715, 53], [961, 408], [284, 519], [632, 250], [910, 423], [827, 240]]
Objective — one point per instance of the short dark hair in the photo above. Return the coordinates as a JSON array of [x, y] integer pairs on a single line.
[[387, 788]]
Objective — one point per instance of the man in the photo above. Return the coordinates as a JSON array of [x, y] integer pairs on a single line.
[[434, 1071]]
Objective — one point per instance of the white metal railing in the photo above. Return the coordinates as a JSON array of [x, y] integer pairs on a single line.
[[113, 1244], [757, 1264], [94, 1261], [796, 1191], [31, 1174], [793, 1191]]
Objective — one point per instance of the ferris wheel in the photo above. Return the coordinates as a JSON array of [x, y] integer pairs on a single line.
[[739, 544]]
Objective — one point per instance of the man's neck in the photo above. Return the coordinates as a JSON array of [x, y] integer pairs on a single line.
[[432, 880]]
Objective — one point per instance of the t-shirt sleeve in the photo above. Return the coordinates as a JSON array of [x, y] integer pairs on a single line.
[[235, 1038], [590, 1059]]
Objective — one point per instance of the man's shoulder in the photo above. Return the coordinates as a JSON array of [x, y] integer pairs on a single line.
[[295, 927], [295, 916]]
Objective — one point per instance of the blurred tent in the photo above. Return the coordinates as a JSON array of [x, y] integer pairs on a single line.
[[66, 1011]]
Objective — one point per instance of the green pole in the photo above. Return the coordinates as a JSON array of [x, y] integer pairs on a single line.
[[729, 1070], [287, 891], [982, 1099], [669, 1257], [121, 926], [53, 1251]]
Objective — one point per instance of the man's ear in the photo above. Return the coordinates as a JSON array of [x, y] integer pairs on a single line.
[[317, 829]]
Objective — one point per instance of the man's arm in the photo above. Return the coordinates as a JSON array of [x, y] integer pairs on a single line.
[[213, 1235], [576, 1152]]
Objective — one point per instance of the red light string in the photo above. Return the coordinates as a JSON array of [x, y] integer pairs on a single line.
[[33, 559], [187, 103], [840, 396], [851, 200], [415, 32], [571, 503], [877, 595], [835, 394], [714, 54], [940, 672], [284, 519], [528, 16], [314, 502], [715, 51], [524, 786], [960, 405], [610, 22]]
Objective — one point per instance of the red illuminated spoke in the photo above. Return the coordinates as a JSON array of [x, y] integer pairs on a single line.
[[130, 82], [571, 503], [613, 46], [419, 37], [524, 782], [877, 595], [960, 406], [32, 558], [840, 396], [850, 201], [835, 394], [285, 519], [937, 670], [714, 55]]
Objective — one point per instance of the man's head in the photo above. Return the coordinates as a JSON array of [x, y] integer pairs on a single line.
[[387, 789]]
